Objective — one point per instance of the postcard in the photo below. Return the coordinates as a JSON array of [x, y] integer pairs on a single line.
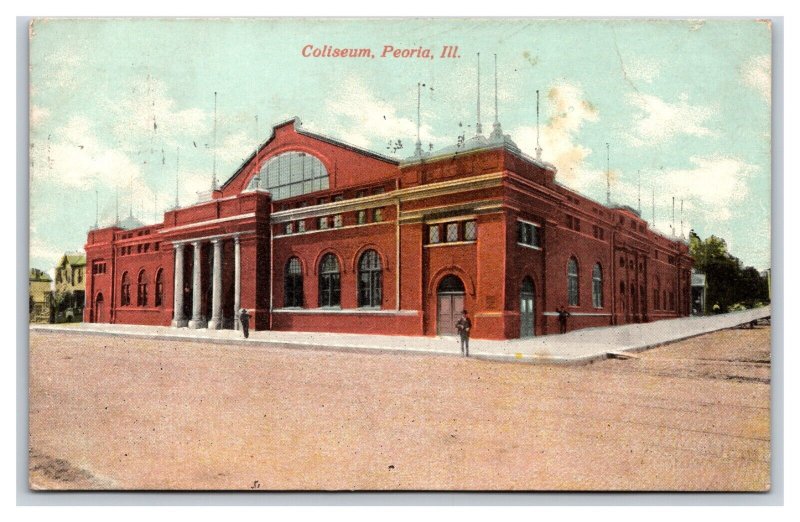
[[400, 254]]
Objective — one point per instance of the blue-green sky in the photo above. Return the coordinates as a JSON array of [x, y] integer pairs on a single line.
[[685, 106]]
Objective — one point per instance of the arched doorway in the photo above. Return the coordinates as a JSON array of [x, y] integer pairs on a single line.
[[450, 301], [526, 308], [99, 309]]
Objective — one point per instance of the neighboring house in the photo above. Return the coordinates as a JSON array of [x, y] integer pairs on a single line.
[[312, 234], [40, 297], [70, 287]]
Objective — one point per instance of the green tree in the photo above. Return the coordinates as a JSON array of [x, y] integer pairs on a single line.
[[728, 282]]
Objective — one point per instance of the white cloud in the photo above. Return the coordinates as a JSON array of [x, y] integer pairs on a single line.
[[569, 111], [757, 73], [75, 159], [356, 115], [150, 114], [716, 182], [656, 121], [60, 67]]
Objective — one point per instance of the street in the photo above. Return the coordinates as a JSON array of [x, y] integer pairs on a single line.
[[131, 413]]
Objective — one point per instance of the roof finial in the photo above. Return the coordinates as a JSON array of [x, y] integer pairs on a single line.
[[479, 127], [130, 191], [653, 188], [257, 177], [418, 148], [608, 174], [672, 226], [177, 176], [682, 236], [538, 147], [640, 193], [214, 168], [497, 130]]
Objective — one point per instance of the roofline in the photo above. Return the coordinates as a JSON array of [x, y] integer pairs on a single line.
[[491, 146], [299, 130]]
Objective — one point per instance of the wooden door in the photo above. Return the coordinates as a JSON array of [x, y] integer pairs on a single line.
[[449, 311]]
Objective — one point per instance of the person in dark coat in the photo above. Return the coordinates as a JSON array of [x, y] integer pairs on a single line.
[[464, 325], [244, 318], [562, 318]]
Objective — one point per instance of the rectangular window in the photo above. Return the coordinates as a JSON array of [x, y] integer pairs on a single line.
[[322, 201], [322, 223], [433, 234], [361, 217], [528, 234], [338, 197], [289, 228], [377, 215], [378, 190], [361, 193], [301, 226], [470, 230], [337, 221], [577, 224], [452, 232]]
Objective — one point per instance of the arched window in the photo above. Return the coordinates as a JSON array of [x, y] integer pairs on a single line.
[[370, 279], [597, 286], [572, 282], [159, 287], [291, 174], [657, 294], [293, 283], [141, 289], [125, 293], [329, 283]]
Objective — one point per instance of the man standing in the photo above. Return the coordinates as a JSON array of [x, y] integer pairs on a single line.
[[562, 318], [464, 325], [244, 318]]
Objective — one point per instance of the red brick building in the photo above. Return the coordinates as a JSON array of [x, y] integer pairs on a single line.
[[311, 234]]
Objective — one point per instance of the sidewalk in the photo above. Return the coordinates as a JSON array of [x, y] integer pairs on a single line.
[[578, 347]]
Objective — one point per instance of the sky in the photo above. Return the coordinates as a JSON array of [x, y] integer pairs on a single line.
[[683, 105]]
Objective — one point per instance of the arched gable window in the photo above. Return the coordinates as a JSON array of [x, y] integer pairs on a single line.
[[159, 287], [293, 283], [141, 289], [370, 279], [291, 174], [125, 292], [572, 282], [597, 286], [329, 281]]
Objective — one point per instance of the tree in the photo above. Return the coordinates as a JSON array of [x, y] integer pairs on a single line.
[[728, 282]]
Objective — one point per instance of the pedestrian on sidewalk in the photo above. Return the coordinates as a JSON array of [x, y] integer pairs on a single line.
[[244, 318], [464, 325], [562, 318]]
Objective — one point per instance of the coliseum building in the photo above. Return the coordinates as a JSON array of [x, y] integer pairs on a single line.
[[311, 234]]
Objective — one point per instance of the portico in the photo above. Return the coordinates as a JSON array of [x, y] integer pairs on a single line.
[[213, 315]]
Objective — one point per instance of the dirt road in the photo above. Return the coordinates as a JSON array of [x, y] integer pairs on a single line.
[[110, 412]]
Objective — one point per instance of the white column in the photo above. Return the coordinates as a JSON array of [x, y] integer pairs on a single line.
[[237, 283], [178, 320], [216, 287], [198, 321]]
